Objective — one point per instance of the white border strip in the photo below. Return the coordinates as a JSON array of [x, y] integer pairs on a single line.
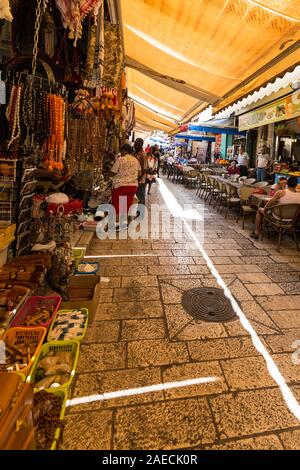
[[141, 390]]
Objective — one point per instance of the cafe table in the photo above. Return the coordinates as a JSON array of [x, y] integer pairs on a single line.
[[260, 200], [231, 182]]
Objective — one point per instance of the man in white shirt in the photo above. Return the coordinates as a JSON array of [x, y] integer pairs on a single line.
[[243, 161], [263, 163]]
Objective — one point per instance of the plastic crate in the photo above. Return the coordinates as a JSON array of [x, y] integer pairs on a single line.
[[95, 264], [37, 302], [78, 338], [17, 337], [77, 254], [63, 395], [56, 346], [57, 435]]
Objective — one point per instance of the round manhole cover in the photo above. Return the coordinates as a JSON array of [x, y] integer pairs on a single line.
[[208, 304]]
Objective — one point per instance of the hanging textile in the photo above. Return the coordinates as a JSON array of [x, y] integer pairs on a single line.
[[112, 56], [73, 13], [99, 53]]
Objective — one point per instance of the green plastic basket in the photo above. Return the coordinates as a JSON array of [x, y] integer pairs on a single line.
[[78, 253], [78, 338], [57, 435], [57, 346], [63, 395]]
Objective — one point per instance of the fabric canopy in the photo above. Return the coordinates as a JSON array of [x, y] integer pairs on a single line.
[[212, 51], [206, 127], [195, 137]]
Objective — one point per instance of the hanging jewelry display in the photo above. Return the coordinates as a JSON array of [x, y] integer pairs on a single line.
[[13, 114]]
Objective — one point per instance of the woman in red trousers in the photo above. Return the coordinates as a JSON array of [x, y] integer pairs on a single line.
[[126, 172]]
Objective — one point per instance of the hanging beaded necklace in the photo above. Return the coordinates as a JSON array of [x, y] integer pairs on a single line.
[[13, 114]]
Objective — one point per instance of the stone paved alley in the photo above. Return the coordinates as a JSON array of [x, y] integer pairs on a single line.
[[142, 336]]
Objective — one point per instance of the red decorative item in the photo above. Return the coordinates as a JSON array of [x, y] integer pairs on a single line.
[[74, 206]]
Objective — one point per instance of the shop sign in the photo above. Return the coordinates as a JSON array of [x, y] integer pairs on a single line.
[[281, 110]]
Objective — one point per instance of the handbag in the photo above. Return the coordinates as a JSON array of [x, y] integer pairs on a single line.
[[16, 419]]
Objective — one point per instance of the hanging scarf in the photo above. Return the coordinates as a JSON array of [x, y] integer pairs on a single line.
[[73, 13]]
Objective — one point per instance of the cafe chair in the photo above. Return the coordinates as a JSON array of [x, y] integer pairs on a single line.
[[170, 171], [191, 179], [205, 186], [249, 181], [261, 184], [245, 208], [231, 198], [283, 219], [177, 175]]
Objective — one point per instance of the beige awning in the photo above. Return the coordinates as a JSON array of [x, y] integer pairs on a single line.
[[182, 55]]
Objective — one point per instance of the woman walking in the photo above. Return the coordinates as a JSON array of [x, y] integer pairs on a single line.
[[125, 175]]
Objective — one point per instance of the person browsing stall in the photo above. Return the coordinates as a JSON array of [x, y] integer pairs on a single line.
[[125, 175]]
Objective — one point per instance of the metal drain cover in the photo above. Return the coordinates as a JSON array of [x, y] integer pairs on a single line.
[[208, 304]]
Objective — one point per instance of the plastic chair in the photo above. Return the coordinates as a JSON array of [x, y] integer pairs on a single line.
[[282, 218], [261, 184], [245, 209]]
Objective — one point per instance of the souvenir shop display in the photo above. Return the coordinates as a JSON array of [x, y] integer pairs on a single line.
[[64, 115]]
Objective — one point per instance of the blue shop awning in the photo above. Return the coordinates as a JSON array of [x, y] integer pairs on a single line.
[[203, 138], [216, 130]]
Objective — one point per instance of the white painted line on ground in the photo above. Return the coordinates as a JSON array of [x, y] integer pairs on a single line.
[[274, 372], [141, 390], [120, 256]]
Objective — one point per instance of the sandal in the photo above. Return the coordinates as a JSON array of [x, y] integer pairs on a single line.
[[254, 236]]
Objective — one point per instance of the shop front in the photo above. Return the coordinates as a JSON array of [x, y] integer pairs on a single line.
[[275, 128]]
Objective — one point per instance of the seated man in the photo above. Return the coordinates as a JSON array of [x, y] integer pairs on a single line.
[[286, 196], [281, 185]]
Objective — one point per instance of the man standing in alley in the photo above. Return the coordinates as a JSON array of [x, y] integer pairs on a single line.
[[142, 158], [263, 163], [157, 156], [243, 161]]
